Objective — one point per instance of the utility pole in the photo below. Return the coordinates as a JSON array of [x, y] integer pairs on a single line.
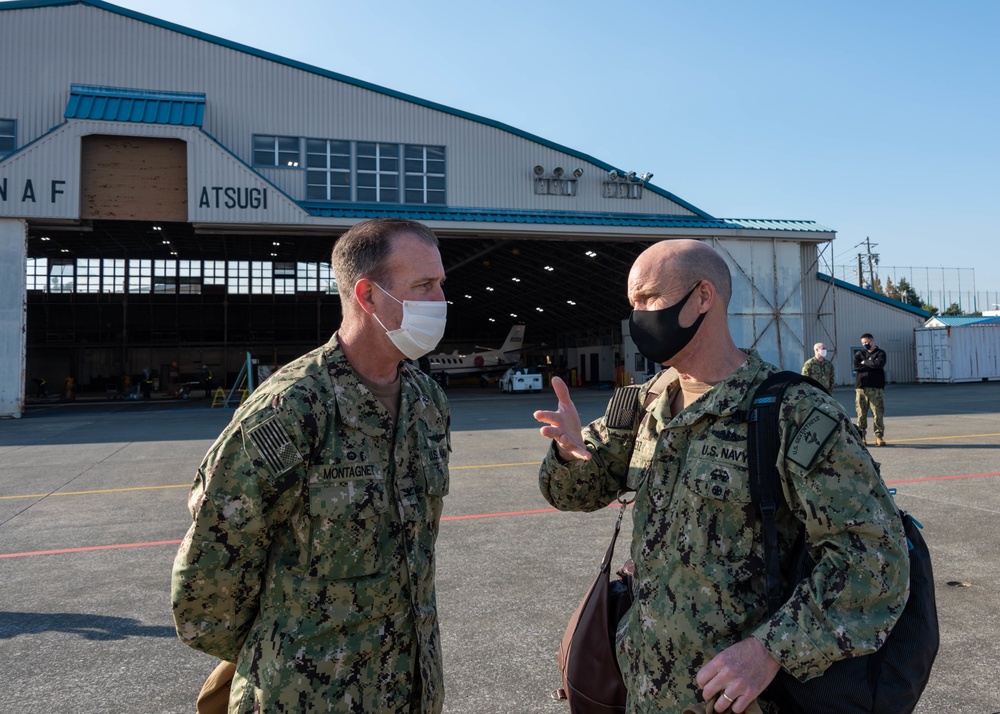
[[872, 259]]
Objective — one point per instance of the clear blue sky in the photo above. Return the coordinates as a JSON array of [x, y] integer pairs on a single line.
[[877, 119]]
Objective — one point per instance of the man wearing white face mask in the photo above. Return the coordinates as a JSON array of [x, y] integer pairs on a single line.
[[310, 561], [819, 367]]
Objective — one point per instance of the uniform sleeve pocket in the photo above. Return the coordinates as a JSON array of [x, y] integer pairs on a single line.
[[437, 479]]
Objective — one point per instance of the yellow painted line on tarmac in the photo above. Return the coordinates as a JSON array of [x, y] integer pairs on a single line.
[[187, 485], [940, 438], [87, 493]]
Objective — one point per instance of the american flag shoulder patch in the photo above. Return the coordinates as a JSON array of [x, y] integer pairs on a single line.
[[274, 445]]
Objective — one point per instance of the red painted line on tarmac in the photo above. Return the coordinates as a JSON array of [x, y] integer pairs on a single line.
[[942, 478], [60, 551], [63, 551], [498, 515]]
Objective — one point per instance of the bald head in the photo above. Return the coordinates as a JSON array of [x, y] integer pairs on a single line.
[[679, 264]]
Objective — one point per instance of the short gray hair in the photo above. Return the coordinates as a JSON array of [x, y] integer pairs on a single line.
[[364, 250]]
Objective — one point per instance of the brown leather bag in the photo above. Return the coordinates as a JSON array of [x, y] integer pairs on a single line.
[[214, 695], [592, 681]]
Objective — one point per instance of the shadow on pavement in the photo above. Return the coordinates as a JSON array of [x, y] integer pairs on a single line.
[[90, 627]]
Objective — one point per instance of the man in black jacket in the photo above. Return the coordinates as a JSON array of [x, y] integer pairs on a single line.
[[869, 387]]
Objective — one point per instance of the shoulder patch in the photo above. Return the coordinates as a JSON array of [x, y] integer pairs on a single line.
[[811, 437], [274, 445]]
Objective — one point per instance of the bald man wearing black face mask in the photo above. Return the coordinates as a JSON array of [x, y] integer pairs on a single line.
[[698, 629]]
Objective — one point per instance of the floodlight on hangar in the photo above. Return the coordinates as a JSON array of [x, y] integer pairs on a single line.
[[538, 170], [489, 288], [549, 268], [513, 314], [492, 320], [516, 280], [578, 172], [591, 254], [646, 177], [539, 309], [613, 175], [557, 171], [469, 296], [570, 302], [630, 176]]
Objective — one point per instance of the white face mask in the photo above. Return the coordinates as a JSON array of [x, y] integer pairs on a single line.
[[822, 353], [422, 327]]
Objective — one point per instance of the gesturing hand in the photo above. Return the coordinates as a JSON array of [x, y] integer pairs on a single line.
[[564, 424]]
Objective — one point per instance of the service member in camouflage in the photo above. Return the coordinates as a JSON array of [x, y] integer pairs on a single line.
[[310, 561], [699, 627], [869, 387], [819, 367]]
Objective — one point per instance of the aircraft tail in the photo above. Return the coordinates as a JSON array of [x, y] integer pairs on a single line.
[[515, 339]]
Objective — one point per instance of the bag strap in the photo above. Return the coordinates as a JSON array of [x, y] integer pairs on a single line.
[[624, 412], [763, 444]]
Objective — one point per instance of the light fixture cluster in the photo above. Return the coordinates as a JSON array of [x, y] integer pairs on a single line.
[[557, 183], [620, 184]]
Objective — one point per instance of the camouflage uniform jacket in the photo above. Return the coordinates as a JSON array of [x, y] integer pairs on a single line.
[[696, 543], [822, 372], [310, 561]]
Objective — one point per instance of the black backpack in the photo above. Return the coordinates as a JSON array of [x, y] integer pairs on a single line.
[[889, 681]]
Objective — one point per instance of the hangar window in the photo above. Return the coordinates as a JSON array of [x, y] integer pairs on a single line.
[[113, 279], [164, 276], [140, 276], [189, 277], [61, 276], [326, 282], [284, 278], [278, 151], [38, 273], [239, 277], [378, 173], [328, 170], [88, 275], [424, 174], [8, 136], [261, 277], [215, 272]]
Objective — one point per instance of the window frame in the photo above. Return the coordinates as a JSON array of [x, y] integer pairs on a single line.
[[276, 151], [12, 136], [424, 175], [328, 172], [378, 172]]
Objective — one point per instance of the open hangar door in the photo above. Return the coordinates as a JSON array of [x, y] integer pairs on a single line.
[[113, 298]]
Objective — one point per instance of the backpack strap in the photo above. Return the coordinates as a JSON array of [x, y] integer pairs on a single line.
[[763, 444]]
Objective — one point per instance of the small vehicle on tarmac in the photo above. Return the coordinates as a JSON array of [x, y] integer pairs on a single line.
[[521, 379]]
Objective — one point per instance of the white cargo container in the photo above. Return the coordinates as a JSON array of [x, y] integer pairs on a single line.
[[970, 353]]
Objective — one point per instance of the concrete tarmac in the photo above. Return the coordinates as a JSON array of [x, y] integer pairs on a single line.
[[92, 506]]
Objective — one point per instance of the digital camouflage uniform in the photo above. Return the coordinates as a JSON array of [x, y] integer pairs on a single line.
[[822, 372], [310, 562], [699, 581]]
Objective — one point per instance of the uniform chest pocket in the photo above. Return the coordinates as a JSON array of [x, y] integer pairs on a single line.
[[346, 533], [714, 510]]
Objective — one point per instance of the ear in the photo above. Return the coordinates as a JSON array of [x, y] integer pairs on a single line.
[[364, 292], [706, 296]]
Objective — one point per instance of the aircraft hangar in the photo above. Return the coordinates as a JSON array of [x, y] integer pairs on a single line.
[[173, 198]]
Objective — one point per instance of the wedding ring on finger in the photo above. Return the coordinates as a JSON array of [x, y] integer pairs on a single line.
[[728, 698]]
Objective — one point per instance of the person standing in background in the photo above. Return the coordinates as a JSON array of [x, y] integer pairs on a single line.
[[869, 387], [819, 367]]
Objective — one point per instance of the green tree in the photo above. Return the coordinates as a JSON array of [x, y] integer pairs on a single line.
[[929, 308], [954, 310], [891, 291], [907, 294]]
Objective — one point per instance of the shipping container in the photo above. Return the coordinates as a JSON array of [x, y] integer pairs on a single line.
[[969, 353]]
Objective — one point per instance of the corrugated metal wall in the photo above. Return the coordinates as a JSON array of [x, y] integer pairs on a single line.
[[487, 167], [13, 247]]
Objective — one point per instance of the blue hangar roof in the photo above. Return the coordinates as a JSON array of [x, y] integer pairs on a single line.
[[490, 215], [135, 105]]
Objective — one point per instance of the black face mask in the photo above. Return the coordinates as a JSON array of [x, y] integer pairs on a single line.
[[658, 333]]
